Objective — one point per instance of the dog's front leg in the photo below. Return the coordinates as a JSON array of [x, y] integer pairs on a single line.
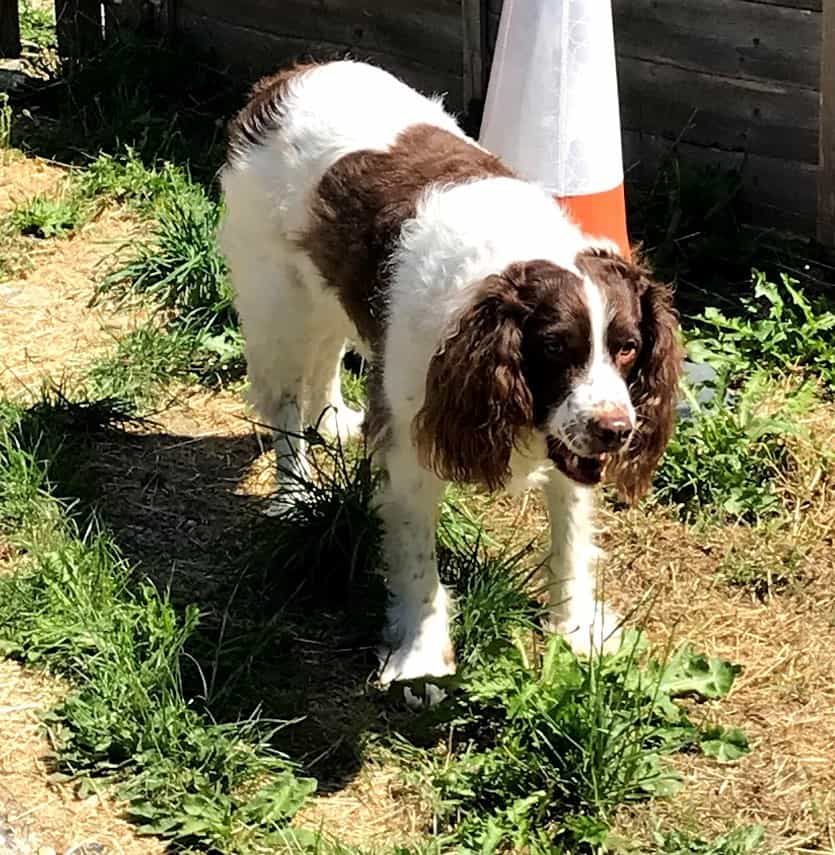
[[573, 609], [417, 629]]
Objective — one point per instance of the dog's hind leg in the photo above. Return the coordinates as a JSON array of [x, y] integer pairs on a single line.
[[325, 406]]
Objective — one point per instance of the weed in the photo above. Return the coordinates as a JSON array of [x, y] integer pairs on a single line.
[[144, 365], [494, 591], [725, 461], [740, 841], [689, 218], [37, 25], [781, 331], [181, 269], [149, 360], [542, 751], [6, 117], [46, 216], [328, 537], [76, 605], [124, 178], [765, 567]]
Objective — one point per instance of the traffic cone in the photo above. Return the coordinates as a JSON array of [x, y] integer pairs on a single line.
[[552, 110]]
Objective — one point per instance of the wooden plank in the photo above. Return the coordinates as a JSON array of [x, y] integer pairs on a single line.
[[826, 164], [811, 5], [428, 32], [132, 16], [78, 25], [472, 36], [731, 114], [255, 52], [166, 16], [737, 38], [9, 29], [781, 192]]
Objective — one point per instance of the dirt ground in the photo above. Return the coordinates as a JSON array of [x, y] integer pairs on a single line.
[[200, 468]]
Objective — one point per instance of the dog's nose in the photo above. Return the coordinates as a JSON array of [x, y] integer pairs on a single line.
[[611, 429]]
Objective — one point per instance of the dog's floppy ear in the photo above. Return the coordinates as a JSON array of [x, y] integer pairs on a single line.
[[654, 379], [476, 398]]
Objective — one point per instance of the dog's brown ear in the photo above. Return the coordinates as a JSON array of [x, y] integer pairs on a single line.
[[654, 380], [476, 398]]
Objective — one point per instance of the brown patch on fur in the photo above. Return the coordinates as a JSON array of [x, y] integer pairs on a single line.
[[653, 378], [263, 112], [478, 401], [362, 202]]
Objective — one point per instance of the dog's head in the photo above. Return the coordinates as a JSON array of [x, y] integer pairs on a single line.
[[591, 361]]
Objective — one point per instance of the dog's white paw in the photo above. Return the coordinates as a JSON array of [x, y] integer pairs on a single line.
[[342, 422], [596, 632], [417, 658]]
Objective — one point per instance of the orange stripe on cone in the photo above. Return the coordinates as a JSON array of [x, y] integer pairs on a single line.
[[601, 215]]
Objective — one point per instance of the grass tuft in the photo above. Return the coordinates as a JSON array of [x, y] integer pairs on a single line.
[[181, 269], [148, 360], [727, 460], [47, 216], [542, 749], [76, 605], [125, 178]]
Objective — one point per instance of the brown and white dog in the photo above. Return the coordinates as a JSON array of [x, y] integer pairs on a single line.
[[506, 348]]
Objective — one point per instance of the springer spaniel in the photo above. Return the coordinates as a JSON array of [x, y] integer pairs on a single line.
[[504, 345]]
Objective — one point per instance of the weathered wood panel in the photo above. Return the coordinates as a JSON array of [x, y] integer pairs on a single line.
[[473, 43], [720, 112], [257, 52], [126, 16], [826, 172], [428, 32], [781, 192], [731, 37], [9, 29], [78, 26], [811, 5]]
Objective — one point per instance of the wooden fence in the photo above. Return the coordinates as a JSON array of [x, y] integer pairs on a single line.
[[733, 82]]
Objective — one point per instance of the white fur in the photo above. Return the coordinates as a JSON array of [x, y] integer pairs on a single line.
[[295, 332], [600, 389]]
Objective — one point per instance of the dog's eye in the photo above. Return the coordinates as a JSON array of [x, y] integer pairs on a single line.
[[553, 346], [627, 352]]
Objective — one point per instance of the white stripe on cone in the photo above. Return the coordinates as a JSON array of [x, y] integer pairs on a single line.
[[552, 109]]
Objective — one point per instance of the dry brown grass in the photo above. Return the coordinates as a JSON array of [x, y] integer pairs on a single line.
[[46, 325]]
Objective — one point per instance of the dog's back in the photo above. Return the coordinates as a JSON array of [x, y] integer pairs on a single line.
[[300, 122]]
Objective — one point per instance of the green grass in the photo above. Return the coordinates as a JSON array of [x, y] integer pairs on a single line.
[[76, 606], [124, 178], [727, 460], [148, 361], [544, 749], [541, 748], [774, 362], [180, 269], [37, 25], [740, 841], [48, 216], [781, 331]]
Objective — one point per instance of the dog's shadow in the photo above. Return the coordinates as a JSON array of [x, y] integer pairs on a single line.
[[290, 609]]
